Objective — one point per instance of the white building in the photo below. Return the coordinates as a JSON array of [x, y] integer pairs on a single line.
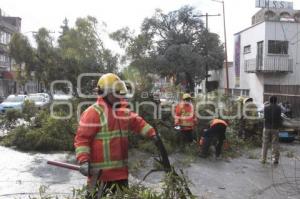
[[267, 58]]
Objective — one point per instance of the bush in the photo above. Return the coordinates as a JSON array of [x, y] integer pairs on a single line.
[[40, 119], [56, 134], [29, 110], [18, 137], [11, 118], [46, 134]]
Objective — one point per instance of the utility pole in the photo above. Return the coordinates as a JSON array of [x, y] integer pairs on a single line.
[[206, 45], [225, 45]]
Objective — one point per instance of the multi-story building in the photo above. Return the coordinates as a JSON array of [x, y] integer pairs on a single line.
[[8, 26], [267, 58]]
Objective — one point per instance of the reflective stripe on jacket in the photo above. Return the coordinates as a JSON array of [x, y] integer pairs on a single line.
[[185, 116], [102, 138]]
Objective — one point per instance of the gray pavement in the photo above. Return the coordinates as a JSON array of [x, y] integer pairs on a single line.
[[22, 174]]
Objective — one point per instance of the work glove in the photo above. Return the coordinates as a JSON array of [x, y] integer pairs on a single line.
[[177, 127], [84, 169], [165, 160]]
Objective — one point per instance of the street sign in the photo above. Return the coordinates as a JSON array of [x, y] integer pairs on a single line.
[[273, 4]]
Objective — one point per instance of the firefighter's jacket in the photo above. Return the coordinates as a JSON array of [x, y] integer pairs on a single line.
[[102, 138], [185, 116]]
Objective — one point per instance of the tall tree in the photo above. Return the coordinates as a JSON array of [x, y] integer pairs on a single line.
[[47, 66], [23, 54], [173, 44], [65, 26], [82, 51]]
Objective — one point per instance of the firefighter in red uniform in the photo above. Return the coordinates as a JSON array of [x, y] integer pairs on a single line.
[[101, 140], [185, 119]]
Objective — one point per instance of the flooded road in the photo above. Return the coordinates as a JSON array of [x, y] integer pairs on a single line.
[[22, 174]]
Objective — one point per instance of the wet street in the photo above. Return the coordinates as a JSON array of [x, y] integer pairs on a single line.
[[243, 177], [22, 174]]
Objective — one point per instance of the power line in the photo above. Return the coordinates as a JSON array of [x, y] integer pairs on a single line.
[[206, 45]]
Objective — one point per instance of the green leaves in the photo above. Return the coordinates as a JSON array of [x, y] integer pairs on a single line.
[[78, 50], [172, 44], [20, 49]]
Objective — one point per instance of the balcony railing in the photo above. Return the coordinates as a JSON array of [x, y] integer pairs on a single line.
[[4, 64], [269, 64]]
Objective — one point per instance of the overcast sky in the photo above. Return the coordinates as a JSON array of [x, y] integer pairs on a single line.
[[120, 13]]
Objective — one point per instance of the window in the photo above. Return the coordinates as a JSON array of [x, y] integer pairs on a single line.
[[240, 92], [245, 92], [278, 47], [4, 59], [285, 15], [260, 52], [8, 37], [270, 14], [4, 37], [237, 92], [247, 49]]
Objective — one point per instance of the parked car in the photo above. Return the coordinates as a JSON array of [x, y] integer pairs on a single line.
[[61, 96], [48, 97], [41, 100], [15, 102]]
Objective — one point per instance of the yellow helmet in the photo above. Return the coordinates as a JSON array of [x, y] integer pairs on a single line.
[[110, 82], [186, 96]]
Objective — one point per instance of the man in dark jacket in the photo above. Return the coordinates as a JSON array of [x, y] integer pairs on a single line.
[[214, 135], [272, 116]]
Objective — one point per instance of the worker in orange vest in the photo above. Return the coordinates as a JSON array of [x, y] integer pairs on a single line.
[[215, 134], [185, 118], [101, 140]]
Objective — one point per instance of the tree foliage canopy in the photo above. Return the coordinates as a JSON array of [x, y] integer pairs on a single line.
[[173, 44], [79, 50], [20, 48]]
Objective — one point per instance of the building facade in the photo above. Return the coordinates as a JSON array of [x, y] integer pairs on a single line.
[[8, 26], [267, 58]]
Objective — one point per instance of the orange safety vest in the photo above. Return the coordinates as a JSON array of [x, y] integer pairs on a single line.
[[185, 116], [102, 138], [218, 121]]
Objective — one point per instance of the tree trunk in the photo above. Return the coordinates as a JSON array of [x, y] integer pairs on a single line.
[[190, 82]]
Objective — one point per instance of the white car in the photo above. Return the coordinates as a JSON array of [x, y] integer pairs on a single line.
[[13, 102], [46, 96], [62, 97], [41, 100]]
